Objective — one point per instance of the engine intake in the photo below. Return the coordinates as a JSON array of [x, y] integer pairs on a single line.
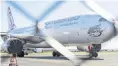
[[14, 46]]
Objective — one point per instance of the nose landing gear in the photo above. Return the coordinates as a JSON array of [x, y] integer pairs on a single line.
[[93, 54], [93, 51]]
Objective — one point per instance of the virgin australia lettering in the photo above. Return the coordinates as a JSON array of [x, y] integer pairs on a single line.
[[62, 22]]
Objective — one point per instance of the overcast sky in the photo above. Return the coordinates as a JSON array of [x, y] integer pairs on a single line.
[[67, 9]]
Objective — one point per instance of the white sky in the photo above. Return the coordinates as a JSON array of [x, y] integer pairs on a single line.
[[67, 9]]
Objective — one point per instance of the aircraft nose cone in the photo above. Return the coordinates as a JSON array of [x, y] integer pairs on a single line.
[[116, 27]]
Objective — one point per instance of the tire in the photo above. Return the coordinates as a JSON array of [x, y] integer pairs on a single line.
[[58, 54], [54, 54], [96, 55], [21, 54], [26, 53]]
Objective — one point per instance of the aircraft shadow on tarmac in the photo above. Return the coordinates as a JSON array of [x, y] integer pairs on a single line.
[[47, 57], [61, 57]]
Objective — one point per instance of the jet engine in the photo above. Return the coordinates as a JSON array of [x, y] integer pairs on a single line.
[[14, 45]]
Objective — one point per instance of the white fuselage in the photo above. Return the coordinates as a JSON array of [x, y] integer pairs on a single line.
[[82, 29]]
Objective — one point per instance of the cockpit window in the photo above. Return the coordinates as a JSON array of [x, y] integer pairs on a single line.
[[102, 20]]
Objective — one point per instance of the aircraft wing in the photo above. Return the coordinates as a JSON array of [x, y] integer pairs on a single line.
[[3, 35]]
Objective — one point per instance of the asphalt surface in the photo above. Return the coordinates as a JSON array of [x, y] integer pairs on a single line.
[[104, 59]]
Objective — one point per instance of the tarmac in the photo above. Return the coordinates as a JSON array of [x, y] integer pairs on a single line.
[[104, 59]]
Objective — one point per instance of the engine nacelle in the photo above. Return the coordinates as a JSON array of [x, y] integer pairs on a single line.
[[14, 45]]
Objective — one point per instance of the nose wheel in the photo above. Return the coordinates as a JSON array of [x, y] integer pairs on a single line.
[[93, 54]]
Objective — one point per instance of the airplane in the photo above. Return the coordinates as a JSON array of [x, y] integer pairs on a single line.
[[85, 29], [37, 42]]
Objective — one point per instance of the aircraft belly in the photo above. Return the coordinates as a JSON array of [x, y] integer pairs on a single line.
[[42, 44]]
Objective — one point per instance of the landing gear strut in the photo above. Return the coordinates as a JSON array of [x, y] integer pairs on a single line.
[[93, 54], [56, 53], [93, 51]]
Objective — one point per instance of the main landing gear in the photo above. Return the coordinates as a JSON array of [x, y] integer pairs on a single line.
[[21, 54], [56, 54]]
